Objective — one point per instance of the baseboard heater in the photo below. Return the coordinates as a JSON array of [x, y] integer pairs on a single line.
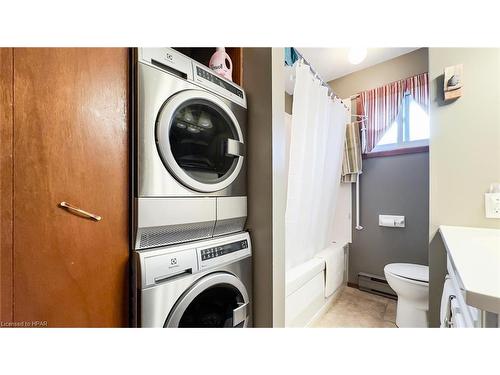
[[375, 284]]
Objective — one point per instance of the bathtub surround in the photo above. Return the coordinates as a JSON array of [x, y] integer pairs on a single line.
[[464, 150], [308, 297], [333, 258]]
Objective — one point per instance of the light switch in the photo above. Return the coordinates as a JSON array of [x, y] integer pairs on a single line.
[[492, 205]]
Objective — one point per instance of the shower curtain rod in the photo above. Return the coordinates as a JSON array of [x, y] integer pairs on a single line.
[[330, 90], [362, 119]]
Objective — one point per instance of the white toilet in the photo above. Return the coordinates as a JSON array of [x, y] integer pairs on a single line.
[[411, 284]]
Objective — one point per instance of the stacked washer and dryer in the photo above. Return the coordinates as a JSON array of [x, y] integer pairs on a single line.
[[191, 256]]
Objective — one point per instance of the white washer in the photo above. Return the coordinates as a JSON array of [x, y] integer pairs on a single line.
[[200, 284]]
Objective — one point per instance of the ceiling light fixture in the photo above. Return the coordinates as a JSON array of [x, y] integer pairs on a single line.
[[357, 55]]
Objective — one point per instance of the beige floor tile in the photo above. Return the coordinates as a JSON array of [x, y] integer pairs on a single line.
[[355, 308], [389, 325], [390, 312]]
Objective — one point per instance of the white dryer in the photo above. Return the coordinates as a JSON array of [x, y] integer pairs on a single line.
[[198, 284], [189, 151]]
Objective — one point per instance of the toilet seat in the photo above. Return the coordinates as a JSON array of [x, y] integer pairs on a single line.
[[416, 273], [411, 284]]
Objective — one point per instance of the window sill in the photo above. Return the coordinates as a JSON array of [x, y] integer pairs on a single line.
[[399, 151]]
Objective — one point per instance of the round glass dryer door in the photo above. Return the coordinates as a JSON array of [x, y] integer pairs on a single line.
[[200, 141], [216, 301]]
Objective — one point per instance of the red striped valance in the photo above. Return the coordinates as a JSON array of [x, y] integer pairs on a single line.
[[382, 104]]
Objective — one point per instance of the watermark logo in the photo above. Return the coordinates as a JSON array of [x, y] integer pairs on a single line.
[[25, 323]]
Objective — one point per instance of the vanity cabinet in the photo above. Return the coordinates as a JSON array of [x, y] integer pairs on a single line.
[[455, 312], [65, 138], [471, 291]]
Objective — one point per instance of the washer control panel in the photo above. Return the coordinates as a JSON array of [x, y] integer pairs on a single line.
[[224, 251], [159, 266], [216, 251]]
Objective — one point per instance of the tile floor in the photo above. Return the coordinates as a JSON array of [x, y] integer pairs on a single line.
[[357, 309]]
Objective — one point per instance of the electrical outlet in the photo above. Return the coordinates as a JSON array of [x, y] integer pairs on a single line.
[[492, 205]]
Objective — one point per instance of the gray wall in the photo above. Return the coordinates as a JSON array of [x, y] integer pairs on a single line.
[[391, 185], [396, 185], [266, 182], [258, 86]]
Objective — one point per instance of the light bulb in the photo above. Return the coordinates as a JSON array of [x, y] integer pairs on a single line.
[[357, 55]]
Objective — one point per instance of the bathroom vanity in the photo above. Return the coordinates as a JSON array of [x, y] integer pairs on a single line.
[[471, 293]]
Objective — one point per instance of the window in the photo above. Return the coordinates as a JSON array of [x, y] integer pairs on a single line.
[[410, 129]]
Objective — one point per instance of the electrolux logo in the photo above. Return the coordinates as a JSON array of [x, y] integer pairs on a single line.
[[173, 262], [169, 57]]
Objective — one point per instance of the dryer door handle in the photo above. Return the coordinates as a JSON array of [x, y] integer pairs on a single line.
[[234, 147], [240, 314]]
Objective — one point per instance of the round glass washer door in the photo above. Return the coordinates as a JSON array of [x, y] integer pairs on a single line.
[[217, 300], [200, 141]]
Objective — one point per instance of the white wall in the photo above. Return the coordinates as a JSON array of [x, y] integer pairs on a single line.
[[464, 151], [465, 137]]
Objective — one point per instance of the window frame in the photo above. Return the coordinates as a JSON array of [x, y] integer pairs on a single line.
[[403, 128]]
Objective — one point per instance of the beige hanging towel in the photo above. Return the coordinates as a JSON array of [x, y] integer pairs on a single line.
[[351, 162]]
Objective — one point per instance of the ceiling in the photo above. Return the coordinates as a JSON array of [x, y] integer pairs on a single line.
[[332, 63]]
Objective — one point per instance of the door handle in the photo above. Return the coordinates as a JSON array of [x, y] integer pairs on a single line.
[[240, 314], [234, 147], [79, 211]]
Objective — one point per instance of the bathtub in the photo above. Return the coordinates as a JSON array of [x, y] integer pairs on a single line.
[[305, 300]]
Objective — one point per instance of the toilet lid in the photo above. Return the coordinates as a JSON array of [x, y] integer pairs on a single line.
[[409, 271]]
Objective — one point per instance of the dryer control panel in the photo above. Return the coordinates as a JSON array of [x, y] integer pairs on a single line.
[[206, 77]]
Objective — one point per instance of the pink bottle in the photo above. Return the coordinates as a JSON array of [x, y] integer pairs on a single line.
[[221, 63]]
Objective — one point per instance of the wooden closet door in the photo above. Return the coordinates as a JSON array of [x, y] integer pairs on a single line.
[[6, 168], [71, 143]]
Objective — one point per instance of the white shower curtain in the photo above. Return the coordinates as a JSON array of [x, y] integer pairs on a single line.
[[315, 159]]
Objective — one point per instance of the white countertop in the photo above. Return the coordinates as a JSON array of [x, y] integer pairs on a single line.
[[475, 255]]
